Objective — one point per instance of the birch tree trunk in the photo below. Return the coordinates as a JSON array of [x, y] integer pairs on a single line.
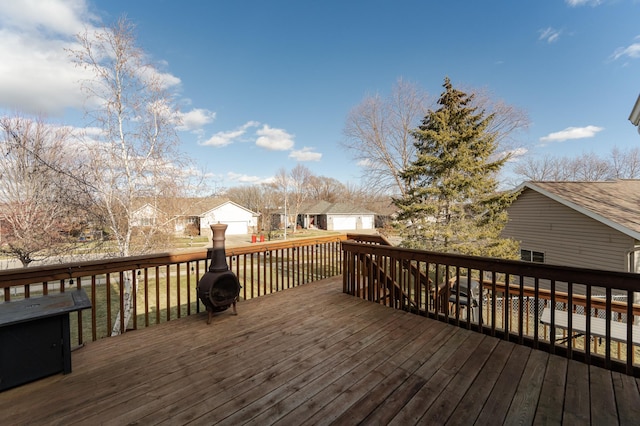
[[134, 156], [130, 287]]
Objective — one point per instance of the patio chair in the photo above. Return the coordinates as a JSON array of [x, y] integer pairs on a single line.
[[464, 294]]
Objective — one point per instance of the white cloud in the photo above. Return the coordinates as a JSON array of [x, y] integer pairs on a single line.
[[164, 79], [88, 136], [305, 154], [550, 35], [274, 139], [514, 154], [631, 51], [37, 75], [195, 119], [575, 3], [92, 131], [572, 133], [226, 138], [242, 178], [57, 16], [367, 163]]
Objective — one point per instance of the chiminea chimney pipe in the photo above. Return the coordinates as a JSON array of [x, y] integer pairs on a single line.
[[218, 256]]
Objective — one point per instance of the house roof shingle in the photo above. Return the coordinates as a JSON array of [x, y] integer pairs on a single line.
[[324, 207], [187, 206]]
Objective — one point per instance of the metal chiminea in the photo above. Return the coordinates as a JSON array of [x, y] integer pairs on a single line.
[[218, 288]]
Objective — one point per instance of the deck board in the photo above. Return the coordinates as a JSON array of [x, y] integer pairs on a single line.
[[500, 398], [551, 400], [577, 409], [445, 405], [524, 404], [627, 398], [469, 408], [603, 408], [313, 355]]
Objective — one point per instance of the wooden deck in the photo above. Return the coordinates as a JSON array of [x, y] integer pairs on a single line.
[[313, 355]]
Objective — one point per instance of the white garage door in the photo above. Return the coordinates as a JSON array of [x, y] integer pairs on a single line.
[[236, 228], [344, 223], [367, 222]]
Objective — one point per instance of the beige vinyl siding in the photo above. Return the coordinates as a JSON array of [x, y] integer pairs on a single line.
[[565, 236]]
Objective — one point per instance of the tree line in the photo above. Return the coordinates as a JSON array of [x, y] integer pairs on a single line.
[[587, 167]]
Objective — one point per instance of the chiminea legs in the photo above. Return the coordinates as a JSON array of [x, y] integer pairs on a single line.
[[233, 312]]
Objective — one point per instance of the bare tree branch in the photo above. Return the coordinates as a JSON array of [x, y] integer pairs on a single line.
[[621, 164], [379, 130], [41, 207], [378, 135]]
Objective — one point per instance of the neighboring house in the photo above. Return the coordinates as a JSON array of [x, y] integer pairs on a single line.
[[386, 212], [198, 214], [336, 217], [147, 215], [583, 224], [239, 220]]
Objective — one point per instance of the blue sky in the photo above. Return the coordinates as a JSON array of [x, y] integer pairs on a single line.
[[265, 85]]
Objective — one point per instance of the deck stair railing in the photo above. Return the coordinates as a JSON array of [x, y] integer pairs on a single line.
[[583, 314]]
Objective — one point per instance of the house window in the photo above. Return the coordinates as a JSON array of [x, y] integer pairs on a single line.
[[532, 256], [147, 221]]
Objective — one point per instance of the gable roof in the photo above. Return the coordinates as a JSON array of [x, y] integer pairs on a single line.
[[216, 205], [614, 203], [199, 206], [188, 206], [324, 207]]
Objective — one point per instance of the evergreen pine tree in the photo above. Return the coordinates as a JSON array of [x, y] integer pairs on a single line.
[[453, 204]]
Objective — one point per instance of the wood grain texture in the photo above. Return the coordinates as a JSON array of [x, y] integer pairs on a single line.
[[313, 355]]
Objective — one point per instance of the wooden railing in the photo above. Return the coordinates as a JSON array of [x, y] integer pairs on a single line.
[[509, 304], [166, 283], [527, 303]]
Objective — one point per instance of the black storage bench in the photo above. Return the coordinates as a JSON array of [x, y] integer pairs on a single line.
[[35, 337]]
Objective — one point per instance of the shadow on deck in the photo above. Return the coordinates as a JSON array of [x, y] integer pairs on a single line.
[[313, 355]]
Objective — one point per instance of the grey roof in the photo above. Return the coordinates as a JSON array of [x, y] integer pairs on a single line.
[[188, 206], [199, 206], [324, 207], [614, 203]]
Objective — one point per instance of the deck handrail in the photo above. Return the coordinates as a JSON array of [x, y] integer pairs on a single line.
[[63, 271], [166, 282], [596, 301], [515, 292], [513, 296]]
